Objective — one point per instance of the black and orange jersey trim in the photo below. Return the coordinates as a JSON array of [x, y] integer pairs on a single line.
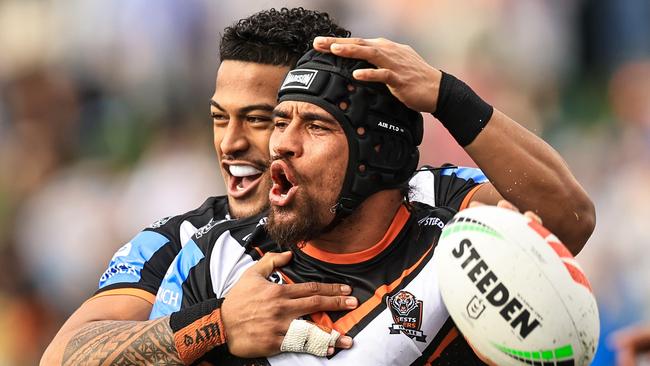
[[400, 319], [143, 261]]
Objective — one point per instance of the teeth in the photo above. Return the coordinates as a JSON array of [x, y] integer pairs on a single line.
[[243, 171]]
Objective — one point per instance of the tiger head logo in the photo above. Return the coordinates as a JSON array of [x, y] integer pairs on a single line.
[[407, 313], [403, 302]]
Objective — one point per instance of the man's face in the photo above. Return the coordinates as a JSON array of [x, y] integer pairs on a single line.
[[241, 107], [310, 156]]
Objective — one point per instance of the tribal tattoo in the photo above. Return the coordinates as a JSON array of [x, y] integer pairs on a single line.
[[123, 343]]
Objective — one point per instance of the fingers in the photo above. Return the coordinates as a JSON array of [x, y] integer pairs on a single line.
[[308, 337], [507, 205], [315, 288], [630, 342], [533, 216], [344, 342], [385, 76], [323, 44], [269, 262], [371, 50], [634, 337], [317, 303], [530, 214], [625, 357]]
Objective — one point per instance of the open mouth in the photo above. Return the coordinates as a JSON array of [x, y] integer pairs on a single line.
[[243, 179], [284, 186]]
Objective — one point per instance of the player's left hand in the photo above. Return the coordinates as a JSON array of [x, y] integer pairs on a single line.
[[411, 79], [630, 343], [508, 205]]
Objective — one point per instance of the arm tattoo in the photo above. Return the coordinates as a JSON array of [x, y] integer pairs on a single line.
[[123, 343]]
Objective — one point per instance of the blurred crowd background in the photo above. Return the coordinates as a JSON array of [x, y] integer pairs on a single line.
[[104, 128]]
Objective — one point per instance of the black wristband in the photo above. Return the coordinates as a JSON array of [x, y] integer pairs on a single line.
[[198, 329], [463, 113]]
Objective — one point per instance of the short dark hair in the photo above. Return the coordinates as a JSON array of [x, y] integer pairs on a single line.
[[276, 37]]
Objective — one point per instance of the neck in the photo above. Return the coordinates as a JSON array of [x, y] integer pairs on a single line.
[[363, 228]]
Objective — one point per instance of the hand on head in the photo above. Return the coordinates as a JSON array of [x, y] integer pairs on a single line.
[[408, 76]]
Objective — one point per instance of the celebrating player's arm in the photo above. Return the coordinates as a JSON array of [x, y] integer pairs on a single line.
[[522, 168], [113, 326], [246, 88], [188, 334]]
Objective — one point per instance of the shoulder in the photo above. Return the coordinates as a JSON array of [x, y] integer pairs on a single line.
[[430, 173], [427, 215], [236, 231], [213, 209]]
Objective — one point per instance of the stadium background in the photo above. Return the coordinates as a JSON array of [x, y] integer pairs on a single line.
[[104, 127]]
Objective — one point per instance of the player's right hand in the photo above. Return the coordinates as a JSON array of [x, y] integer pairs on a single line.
[[631, 344], [256, 313]]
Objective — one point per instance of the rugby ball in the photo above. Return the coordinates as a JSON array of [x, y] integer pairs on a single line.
[[514, 290]]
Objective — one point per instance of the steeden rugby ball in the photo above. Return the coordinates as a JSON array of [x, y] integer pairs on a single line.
[[515, 291]]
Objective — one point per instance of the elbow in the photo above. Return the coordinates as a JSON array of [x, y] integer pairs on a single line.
[[48, 358], [582, 222]]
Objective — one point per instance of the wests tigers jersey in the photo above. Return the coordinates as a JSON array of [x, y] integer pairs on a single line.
[[139, 266], [400, 320]]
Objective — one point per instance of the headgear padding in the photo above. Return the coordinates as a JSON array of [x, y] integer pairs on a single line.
[[382, 132]]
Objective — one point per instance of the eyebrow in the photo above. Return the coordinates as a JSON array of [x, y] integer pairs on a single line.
[[306, 116], [253, 107]]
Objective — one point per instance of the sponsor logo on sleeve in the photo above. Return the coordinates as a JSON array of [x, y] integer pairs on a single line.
[[168, 297], [431, 221], [207, 227], [119, 268], [123, 251], [160, 222]]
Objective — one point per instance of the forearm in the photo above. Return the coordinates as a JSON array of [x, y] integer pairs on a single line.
[[178, 339], [533, 176], [123, 342]]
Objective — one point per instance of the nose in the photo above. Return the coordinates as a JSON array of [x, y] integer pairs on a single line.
[[287, 142], [234, 140]]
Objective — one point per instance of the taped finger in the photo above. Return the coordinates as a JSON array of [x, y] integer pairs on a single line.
[[306, 337]]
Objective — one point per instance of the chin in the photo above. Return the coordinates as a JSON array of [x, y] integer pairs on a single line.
[[246, 208]]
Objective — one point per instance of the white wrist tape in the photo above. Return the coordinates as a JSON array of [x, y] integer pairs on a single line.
[[307, 337]]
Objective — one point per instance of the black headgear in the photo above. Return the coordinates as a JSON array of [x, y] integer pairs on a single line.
[[382, 133]]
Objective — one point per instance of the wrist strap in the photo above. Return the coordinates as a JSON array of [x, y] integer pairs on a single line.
[[463, 113], [198, 329]]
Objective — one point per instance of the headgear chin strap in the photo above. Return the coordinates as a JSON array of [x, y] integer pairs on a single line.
[[382, 133]]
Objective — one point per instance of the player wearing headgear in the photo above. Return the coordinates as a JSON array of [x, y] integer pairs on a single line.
[[255, 54], [254, 61], [447, 186], [342, 154]]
